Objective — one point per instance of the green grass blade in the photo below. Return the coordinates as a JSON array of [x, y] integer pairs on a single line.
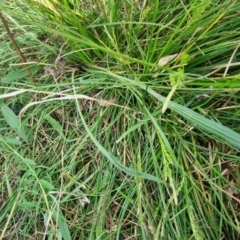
[[62, 224], [13, 121], [216, 129], [231, 137], [114, 160], [55, 124]]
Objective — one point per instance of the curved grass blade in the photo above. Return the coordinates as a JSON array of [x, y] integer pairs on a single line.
[[231, 137], [114, 160], [216, 129]]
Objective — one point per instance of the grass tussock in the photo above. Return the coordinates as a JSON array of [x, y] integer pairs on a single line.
[[127, 126]]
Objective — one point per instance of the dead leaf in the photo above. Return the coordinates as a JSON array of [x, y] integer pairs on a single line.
[[106, 103], [164, 60], [168, 98], [12, 93], [84, 201]]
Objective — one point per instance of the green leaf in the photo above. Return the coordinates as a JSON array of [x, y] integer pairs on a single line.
[[19, 74], [55, 124], [29, 161], [13, 121], [13, 141], [46, 184], [216, 129], [114, 160], [198, 120], [62, 224]]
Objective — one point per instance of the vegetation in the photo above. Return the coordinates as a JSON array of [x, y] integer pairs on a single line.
[[123, 123]]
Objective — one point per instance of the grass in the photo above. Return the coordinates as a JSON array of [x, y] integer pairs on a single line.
[[129, 128]]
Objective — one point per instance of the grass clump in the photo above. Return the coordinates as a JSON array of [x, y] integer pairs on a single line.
[[129, 128]]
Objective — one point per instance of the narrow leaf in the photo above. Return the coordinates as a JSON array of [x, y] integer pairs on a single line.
[[55, 124], [12, 94], [13, 141], [46, 184], [114, 160], [13, 121], [231, 137], [29, 161], [62, 224], [168, 98]]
